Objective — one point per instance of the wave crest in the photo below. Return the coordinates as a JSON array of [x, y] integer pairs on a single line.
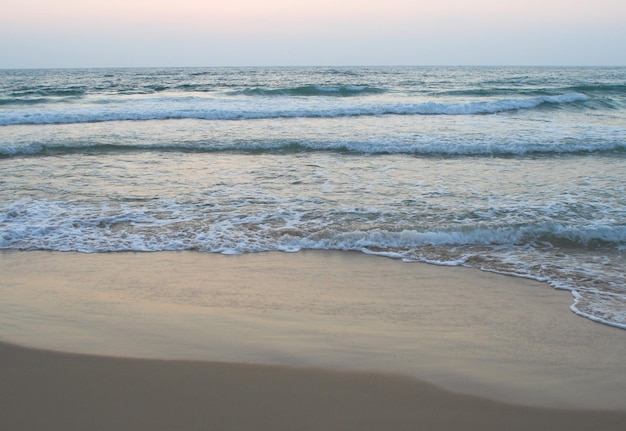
[[312, 90], [220, 109], [434, 148]]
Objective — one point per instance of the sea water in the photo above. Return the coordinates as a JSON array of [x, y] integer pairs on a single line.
[[520, 171]]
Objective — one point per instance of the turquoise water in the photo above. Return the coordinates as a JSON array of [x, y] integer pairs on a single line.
[[514, 170]]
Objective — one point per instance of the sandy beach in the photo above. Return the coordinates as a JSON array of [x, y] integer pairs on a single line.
[[311, 340], [53, 391]]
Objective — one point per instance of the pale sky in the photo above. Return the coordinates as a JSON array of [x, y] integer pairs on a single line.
[[127, 33]]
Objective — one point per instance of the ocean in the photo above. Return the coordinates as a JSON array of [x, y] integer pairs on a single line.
[[515, 170]]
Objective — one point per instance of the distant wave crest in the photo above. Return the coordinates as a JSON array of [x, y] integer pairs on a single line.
[[312, 90], [220, 109]]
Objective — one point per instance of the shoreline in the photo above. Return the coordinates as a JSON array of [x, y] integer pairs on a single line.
[[464, 330]]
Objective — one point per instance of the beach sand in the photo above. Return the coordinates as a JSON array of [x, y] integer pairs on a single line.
[[349, 341], [42, 390]]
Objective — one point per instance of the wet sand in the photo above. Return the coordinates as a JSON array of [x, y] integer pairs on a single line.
[[351, 341], [54, 391]]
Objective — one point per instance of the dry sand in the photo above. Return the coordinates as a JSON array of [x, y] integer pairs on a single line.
[[335, 325]]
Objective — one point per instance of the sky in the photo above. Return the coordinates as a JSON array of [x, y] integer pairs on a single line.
[[203, 33]]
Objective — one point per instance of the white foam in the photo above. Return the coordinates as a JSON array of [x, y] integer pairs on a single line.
[[28, 223], [212, 108], [599, 308]]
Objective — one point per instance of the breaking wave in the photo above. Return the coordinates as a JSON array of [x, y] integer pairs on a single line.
[[228, 109]]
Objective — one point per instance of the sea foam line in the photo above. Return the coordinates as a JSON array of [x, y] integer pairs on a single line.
[[227, 109]]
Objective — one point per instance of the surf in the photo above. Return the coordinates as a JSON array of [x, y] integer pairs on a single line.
[[212, 108]]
